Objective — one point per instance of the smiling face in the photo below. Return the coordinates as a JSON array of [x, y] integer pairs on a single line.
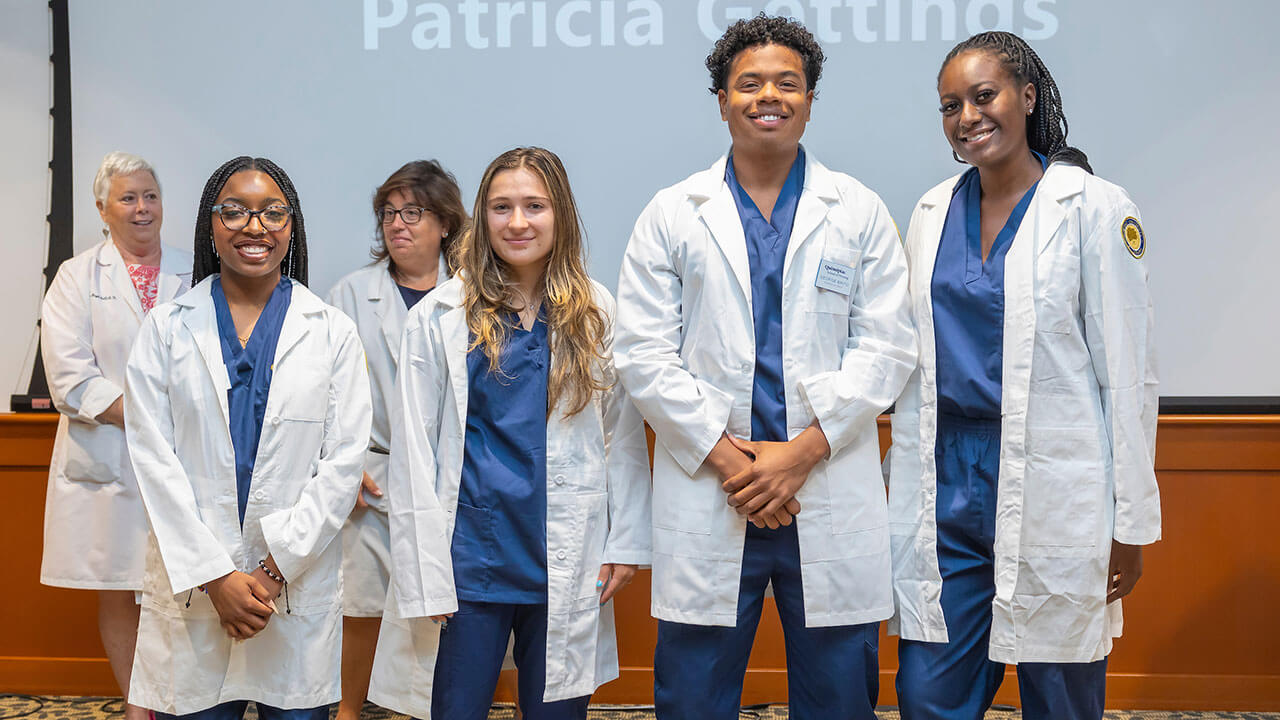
[[411, 246], [521, 220], [767, 100], [252, 251], [984, 109], [132, 211]]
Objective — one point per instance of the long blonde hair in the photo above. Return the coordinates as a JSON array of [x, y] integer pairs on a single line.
[[576, 325]]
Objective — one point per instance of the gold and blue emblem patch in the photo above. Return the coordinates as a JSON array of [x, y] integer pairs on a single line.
[[1134, 239]]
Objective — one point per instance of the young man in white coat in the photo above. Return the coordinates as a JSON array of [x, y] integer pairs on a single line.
[[762, 327]]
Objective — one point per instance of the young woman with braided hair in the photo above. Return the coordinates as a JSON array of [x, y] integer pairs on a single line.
[[1021, 476], [247, 415]]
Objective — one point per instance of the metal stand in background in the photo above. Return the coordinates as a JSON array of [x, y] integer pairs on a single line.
[[60, 209]]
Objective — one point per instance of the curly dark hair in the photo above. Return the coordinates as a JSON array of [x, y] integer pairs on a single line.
[[764, 30]]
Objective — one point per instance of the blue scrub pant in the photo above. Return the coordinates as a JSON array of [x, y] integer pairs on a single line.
[[235, 709], [833, 673], [956, 680], [472, 647]]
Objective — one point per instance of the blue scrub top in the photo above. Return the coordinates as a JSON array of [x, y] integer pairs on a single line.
[[968, 303], [249, 369], [411, 296], [767, 251], [500, 534]]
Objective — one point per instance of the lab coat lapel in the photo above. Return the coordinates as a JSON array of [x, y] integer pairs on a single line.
[[387, 305], [720, 214], [302, 307], [174, 278], [202, 323], [453, 325], [118, 274], [815, 202]]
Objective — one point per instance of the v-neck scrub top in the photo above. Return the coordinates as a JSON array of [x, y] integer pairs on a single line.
[[767, 242], [249, 369], [968, 304], [500, 534]]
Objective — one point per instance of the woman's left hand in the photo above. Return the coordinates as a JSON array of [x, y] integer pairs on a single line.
[[612, 578], [1126, 568]]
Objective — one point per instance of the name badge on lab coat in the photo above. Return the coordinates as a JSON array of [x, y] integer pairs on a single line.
[[835, 277]]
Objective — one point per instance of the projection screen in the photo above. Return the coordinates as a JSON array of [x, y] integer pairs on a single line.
[[1174, 100]]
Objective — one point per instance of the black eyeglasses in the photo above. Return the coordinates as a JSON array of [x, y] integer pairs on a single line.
[[411, 215], [236, 217]]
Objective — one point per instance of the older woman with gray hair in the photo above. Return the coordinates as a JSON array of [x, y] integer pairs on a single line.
[[95, 530]]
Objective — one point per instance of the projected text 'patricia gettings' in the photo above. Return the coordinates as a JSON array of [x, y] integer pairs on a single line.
[[484, 24]]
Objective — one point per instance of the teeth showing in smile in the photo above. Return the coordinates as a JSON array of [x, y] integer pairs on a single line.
[[979, 136], [770, 118], [254, 250]]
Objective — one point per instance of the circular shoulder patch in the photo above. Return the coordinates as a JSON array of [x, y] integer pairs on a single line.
[[1134, 239]]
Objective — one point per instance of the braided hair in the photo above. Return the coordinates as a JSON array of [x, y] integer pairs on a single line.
[[1047, 124], [294, 263]]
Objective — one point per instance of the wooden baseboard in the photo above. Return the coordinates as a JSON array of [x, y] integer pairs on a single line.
[[57, 676]]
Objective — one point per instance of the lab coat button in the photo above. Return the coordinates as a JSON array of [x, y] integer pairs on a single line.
[[559, 479], [560, 554], [275, 420], [258, 495]]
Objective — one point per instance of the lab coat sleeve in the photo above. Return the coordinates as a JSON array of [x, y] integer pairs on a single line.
[[421, 557], [1119, 331], [76, 383], [296, 535], [630, 540], [687, 415], [191, 553], [880, 352]]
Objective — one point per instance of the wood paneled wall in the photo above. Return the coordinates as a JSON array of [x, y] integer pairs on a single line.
[[1201, 630]]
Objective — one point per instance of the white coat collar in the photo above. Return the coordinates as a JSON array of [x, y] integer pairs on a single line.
[[715, 205], [175, 272], [118, 272]]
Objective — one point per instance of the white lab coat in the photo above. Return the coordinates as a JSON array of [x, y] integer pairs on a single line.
[[1078, 421], [370, 297], [94, 526], [305, 479], [597, 512], [686, 353]]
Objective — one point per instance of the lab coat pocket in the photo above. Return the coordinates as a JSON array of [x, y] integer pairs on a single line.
[[680, 502], [856, 493], [93, 452], [1063, 494], [835, 280]]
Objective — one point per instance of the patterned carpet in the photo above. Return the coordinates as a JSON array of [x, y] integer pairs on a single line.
[[29, 707]]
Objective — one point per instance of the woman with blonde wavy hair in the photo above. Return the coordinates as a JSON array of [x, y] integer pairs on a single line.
[[519, 485]]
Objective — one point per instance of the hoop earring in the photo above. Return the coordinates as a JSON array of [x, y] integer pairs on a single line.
[[214, 248]]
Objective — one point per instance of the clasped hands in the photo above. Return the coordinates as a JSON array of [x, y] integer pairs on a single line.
[[762, 478], [245, 601]]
